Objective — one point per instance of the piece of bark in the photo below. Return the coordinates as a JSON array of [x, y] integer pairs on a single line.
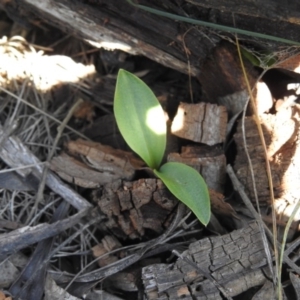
[[203, 123], [77, 172], [221, 73], [124, 281], [281, 133], [95, 164], [211, 164], [290, 62], [108, 243], [219, 206], [105, 158], [235, 261], [235, 103], [134, 207]]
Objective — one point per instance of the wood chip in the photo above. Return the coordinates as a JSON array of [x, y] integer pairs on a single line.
[[134, 207], [281, 133], [202, 122], [95, 164]]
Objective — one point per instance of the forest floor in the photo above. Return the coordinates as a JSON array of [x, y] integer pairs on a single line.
[[67, 231]]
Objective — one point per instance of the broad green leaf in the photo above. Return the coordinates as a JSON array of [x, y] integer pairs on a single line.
[[188, 186], [140, 118]]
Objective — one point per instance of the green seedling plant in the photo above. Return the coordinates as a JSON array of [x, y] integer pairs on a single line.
[[141, 121]]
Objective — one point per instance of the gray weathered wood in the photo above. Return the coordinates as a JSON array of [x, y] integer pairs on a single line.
[[21, 238], [16, 155], [234, 261], [118, 24]]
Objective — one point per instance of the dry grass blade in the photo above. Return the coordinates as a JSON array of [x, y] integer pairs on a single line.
[[260, 222]]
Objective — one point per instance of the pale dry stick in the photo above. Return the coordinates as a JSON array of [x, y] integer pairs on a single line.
[[19, 168], [14, 153], [44, 113], [269, 174], [25, 236], [42, 184]]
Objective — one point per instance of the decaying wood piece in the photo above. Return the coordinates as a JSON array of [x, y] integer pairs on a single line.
[[16, 154], [247, 15], [235, 261], [74, 171], [208, 161], [95, 164], [203, 123], [281, 131], [219, 206], [236, 102], [119, 25], [134, 207], [108, 243], [269, 9], [222, 75]]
